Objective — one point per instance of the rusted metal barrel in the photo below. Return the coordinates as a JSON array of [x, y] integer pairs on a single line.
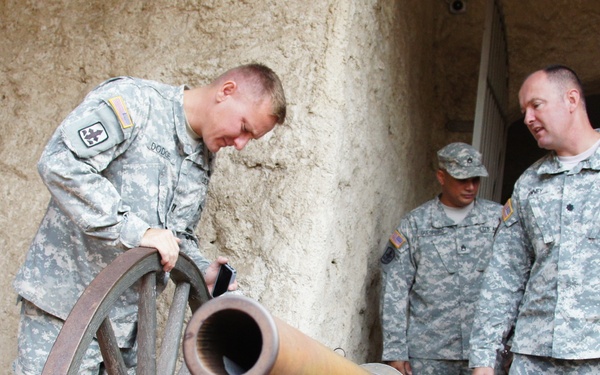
[[236, 335]]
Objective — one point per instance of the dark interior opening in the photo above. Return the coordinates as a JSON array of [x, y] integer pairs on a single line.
[[522, 149], [230, 341]]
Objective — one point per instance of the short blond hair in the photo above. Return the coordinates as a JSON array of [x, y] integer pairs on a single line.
[[262, 83]]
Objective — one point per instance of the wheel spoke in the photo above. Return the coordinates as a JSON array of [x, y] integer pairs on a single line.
[[173, 330], [146, 334], [89, 316], [111, 354]]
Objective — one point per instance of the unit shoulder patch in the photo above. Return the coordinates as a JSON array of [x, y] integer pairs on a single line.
[[388, 255], [93, 133]]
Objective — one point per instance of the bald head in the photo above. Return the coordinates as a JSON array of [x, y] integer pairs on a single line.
[[552, 103], [564, 79]]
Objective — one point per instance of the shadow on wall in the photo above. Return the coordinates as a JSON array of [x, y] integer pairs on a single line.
[[522, 149]]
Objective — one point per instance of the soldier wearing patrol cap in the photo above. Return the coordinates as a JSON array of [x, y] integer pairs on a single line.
[[130, 167], [461, 161], [432, 267]]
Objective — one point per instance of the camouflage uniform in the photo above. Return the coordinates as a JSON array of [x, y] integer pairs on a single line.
[[120, 163], [38, 331], [545, 272], [432, 269], [534, 365]]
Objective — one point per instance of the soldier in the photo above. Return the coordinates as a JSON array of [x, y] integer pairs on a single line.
[[130, 167], [432, 268], [545, 269]]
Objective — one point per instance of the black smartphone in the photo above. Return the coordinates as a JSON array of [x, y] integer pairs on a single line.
[[224, 279]]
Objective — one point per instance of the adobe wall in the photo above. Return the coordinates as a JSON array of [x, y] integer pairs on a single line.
[[303, 213]]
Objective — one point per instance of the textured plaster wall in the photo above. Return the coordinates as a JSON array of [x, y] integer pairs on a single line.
[[303, 213], [327, 205], [550, 32], [457, 49]]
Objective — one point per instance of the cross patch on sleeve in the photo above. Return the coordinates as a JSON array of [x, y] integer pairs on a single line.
[[93, 135]]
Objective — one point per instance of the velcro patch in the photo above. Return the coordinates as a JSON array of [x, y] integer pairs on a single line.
[[388, 255], [507, 210], [118, 105], [93, 135], [397, 239]]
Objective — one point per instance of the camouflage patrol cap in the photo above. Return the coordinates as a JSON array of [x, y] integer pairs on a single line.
[[461, 161]]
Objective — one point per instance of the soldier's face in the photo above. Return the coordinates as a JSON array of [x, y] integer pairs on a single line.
[[236, 119], [457, 192], [546, 108]]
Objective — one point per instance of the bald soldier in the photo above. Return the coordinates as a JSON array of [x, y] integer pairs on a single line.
[[545, 270]]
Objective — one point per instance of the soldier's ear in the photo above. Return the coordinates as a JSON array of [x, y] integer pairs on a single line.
[[573, 97], [440, 176], [226, 90]]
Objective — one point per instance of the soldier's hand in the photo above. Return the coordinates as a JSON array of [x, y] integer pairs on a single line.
[[166, 243], [483, 371], [210, 277], [402, 366]]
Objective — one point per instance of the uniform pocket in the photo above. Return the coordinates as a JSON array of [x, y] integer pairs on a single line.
[[542, 209], [444, 243], [190, 198], [143, 193]]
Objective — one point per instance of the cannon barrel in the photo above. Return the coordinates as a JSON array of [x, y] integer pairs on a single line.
[[237, 335]]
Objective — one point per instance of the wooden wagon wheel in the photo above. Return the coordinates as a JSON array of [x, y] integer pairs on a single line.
[[90, 315]]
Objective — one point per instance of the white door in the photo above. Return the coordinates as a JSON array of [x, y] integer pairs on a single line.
[[490, 124]]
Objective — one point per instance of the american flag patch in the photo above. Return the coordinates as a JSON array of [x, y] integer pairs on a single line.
[[118, 105], [507, 210], [397, 239]]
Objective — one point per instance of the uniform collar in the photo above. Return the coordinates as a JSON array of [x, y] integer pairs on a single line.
[[187, 145], [551, 165], [439, 219]]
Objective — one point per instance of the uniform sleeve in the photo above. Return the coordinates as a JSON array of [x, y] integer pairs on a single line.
[[189, 246], [502, 289], [72, 165], [397, 278]]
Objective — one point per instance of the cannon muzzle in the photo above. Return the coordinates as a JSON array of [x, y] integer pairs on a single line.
[[236, 335]]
